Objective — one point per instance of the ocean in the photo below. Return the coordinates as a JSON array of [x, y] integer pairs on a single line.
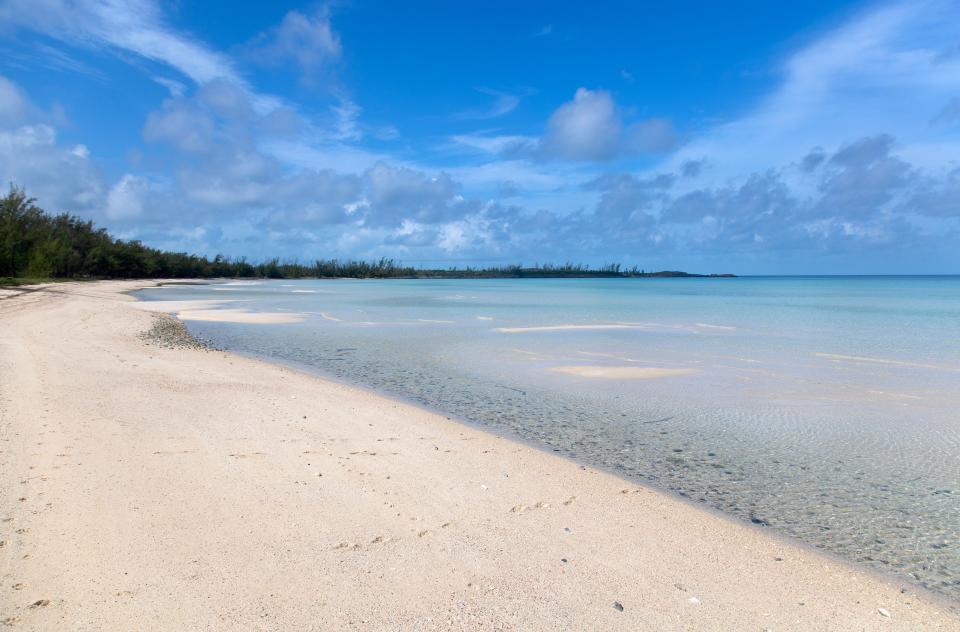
[[825, 408]]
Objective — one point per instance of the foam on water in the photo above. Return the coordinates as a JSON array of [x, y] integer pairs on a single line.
[[826, 408]]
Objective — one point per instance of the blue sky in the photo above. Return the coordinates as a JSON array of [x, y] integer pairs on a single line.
[[756, 138]]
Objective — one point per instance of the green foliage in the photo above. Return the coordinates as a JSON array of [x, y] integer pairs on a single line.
[[35, 244]]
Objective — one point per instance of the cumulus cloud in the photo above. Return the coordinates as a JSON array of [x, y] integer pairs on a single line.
[[626, 200], [183, 123], [857, 200], [32, 156], [588, 128], [397, 193], [125, 199], [862, 177], [309, 41], [14, 105]]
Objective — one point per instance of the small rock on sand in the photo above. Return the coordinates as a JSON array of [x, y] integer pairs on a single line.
[[618, 606]]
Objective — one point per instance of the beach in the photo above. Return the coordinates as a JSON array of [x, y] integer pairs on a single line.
[[152, 484]]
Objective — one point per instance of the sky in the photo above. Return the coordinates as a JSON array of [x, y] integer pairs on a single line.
[[752, 138]]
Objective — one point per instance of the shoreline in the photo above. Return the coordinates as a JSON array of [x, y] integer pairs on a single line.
[[507, 535], [895, 580]]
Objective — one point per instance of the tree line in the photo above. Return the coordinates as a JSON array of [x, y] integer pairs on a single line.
[[38, 245]]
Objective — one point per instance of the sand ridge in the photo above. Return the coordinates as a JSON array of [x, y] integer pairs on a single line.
[[622, 372]]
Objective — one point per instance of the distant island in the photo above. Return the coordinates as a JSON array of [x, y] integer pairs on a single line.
[[37, 246]]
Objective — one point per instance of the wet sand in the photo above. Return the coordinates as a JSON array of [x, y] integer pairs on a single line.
[[153, 485]]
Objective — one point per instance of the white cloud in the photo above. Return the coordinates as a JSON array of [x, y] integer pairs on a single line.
[[183, 123], [883, 71], [14, 105], [136, 25], [126, 198], [589, 128], [503, 103], [586, 128], [61, 177], [307, 40]]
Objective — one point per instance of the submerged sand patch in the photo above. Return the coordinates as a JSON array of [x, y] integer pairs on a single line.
[[836, 357], [172, 307], [517, 330], [213, 311], [622, 372], [241, 316]]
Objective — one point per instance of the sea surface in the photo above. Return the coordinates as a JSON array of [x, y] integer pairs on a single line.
[[825, 408]]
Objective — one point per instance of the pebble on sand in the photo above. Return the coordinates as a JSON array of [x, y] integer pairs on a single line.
[[618, 606]]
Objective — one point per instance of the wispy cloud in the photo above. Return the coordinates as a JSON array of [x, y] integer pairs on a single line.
[[137, 26], [503, 103], [882, 71]]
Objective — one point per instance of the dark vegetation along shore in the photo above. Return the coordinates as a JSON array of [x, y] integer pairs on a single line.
[[36, 246]]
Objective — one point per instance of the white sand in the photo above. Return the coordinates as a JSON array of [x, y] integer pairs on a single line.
[[169, 489]]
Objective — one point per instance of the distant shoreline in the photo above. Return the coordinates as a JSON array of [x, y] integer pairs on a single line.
[[489, 273]]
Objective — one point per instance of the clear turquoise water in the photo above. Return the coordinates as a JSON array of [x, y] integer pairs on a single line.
[[825, 408]]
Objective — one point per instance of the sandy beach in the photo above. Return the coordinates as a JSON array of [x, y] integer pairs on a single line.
[[152, 485]]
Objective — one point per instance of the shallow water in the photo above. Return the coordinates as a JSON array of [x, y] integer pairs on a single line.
[[826, 408]]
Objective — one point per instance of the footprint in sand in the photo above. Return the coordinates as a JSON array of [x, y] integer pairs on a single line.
[[346, 546], [522, 508]]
